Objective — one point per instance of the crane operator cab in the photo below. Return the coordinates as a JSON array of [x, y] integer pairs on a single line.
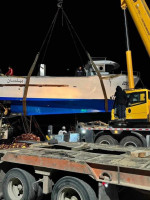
[[137, 107]]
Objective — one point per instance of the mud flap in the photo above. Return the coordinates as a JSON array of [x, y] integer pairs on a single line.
[[107, 193]]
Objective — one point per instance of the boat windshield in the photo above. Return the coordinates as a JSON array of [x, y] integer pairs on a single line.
[[104, 66]]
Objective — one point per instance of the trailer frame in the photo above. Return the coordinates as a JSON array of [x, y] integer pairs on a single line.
[[114, 165]]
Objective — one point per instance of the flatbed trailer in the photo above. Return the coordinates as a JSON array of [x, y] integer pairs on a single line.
[[121, 133], [72, 171]]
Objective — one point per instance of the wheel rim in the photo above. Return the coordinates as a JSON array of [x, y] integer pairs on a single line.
[[69, 193], [105, 142], [130, 144], [15, 189]]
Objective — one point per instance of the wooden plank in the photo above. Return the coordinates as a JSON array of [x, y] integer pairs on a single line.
[[140, 153]]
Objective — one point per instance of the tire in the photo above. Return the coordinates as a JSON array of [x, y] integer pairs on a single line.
[[72, 188], [39, 193], [131, 141], [18, 184], [106, 139]]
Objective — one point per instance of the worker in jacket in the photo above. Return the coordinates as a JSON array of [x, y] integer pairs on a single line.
[[10, 72], [79, 72], [62, 131], [120, 102]]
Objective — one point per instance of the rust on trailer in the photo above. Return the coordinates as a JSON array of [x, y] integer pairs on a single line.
[[122, 176], [112, 164], [51, 163], [135, 178]]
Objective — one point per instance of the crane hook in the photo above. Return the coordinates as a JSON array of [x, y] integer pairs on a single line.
[[59, 4]]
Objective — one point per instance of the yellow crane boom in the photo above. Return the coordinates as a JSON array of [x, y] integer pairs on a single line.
[[140, 14]]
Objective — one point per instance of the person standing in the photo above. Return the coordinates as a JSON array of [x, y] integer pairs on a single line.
[[10, 72], [79, 72], [120, 101], [62, 131]]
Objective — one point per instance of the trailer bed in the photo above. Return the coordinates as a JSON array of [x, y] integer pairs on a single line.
[[112, 164]]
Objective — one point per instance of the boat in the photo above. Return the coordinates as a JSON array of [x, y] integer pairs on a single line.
[[49, 95]]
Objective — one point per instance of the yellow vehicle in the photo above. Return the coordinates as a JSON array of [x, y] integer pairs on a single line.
[[138, 105]]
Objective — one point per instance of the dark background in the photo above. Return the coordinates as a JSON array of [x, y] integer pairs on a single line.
[[98, 24]]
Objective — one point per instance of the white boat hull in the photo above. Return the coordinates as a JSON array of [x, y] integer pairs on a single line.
[[60, 95]]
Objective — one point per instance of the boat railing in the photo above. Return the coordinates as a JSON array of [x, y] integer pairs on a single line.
[[136, 73]]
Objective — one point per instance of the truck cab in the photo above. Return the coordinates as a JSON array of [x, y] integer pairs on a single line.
[[137, 107]]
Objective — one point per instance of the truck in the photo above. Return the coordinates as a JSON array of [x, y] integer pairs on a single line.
[[72, 171], [97, 132]]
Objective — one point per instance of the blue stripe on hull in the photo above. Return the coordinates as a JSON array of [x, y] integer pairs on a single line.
[[60, 106]]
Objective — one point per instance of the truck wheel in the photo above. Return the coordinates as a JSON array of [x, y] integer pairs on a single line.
[[131, 141], [71, 188], [106, 139], [39, 193], [18, 184]]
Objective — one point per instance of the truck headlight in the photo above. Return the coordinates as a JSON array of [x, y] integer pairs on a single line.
[[83, 131]]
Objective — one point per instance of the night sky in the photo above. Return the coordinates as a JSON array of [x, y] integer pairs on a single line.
[[98, 24]]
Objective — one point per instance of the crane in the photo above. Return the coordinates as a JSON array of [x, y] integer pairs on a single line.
[[140, 14], [139, 108]]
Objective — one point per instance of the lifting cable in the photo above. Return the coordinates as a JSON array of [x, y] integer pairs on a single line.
[[38, 127], [60, 7], [25, 124], [101, 81], [49, 33], [89, 57], [35, 61], [69, 25], [27, 84]]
